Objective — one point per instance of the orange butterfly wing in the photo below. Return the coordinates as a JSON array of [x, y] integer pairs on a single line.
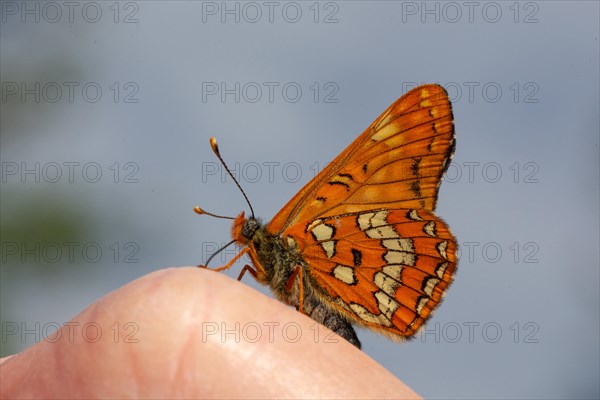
[[398, 162], [385, 269], [365, 225]]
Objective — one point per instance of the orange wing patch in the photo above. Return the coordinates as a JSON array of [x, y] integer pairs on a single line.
[[385, 269], [397, 162]]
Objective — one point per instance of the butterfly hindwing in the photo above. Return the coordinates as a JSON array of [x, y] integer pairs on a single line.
[[384, 269], [397, 162]]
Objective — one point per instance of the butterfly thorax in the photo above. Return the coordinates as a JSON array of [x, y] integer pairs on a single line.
[[275, 262]]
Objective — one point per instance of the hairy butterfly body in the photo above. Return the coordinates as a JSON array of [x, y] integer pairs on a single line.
[[279, 264], [360, 243]]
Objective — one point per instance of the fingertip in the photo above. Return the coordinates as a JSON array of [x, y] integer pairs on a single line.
[[191, 332]]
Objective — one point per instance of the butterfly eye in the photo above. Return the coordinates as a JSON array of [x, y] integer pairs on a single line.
[[250, 227]]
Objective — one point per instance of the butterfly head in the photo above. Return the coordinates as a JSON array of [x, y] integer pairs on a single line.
[[243, 229]]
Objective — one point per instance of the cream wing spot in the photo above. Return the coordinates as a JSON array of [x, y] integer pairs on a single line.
[[429, 285], [364, 221], [399, 244], [345, 274], [379, 219], [329, 248], [385, 283], [370, 220], [394, 271], [414, 215], [382, 232], [425, 104], [367, 316], [430, 229], [313, 224], [422, 302], [322, 232], [385, 132], [441, 269], [442, 248], [341, 303], [400, 257], [386, 304]]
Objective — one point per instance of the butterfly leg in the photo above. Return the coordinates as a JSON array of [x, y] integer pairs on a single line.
[[247, 268], [290, 283], [229, 264]]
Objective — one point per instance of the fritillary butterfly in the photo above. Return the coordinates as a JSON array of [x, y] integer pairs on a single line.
[[360, 244]]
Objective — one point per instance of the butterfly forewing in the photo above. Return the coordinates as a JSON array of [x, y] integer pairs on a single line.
[[385, 269], [397, 162]]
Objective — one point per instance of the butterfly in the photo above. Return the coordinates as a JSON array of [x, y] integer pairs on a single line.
[[360, 243]]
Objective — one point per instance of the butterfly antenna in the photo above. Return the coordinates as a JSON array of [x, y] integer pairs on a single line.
[[200, 211], [218, 251], [215, 148]]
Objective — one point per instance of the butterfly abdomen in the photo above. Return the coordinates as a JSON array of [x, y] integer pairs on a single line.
[[331, 318]]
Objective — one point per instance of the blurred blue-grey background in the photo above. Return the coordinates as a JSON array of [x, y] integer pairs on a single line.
[[107, 109]]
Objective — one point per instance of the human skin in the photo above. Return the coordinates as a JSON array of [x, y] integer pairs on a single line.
[[178, 338]]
